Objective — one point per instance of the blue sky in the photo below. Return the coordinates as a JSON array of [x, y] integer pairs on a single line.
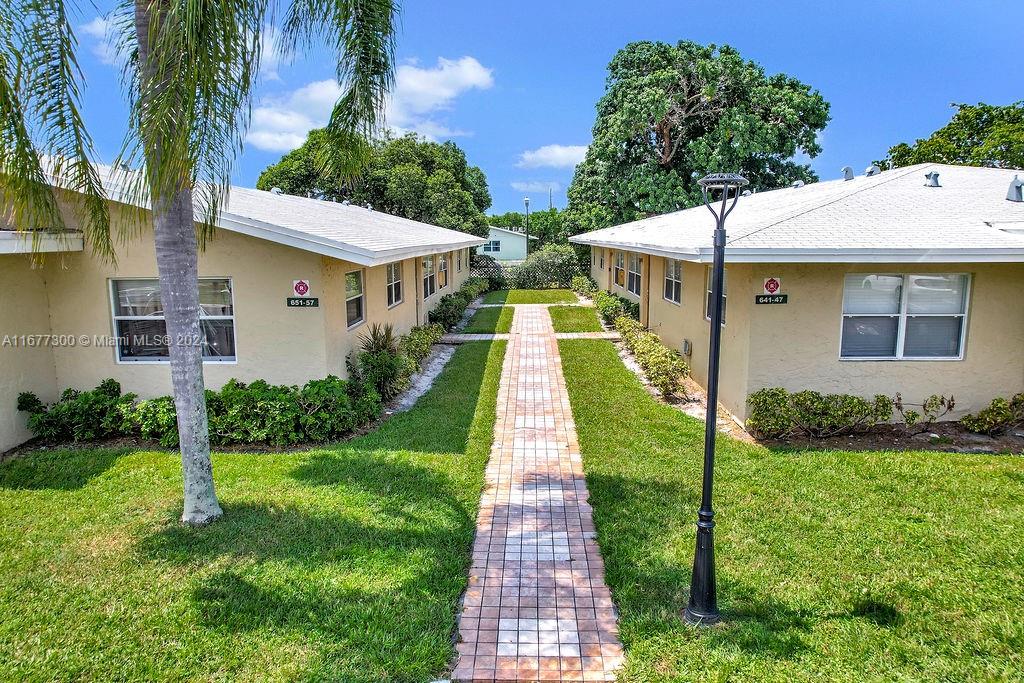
[[515, 84]]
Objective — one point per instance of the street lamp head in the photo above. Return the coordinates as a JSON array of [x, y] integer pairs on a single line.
[[722, 181], [726, 183], [526, 200]]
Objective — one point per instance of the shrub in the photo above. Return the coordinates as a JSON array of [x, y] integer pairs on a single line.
[[583, 285], [380, 362], [155, 419], [611, 307], [776, 413], [551, 266], [77, 415], [258, 412], [920, 421], [490, 270], [417, 344], [664, 368], [999, 417], [327, 410], [451, 307]]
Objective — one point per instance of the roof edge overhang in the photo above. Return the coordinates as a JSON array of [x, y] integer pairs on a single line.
[[24, 242], [681, 254]]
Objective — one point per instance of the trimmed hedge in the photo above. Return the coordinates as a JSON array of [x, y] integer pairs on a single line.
[[254, 413], [451, 307], [611, 307], [776, 413], [664, 367]]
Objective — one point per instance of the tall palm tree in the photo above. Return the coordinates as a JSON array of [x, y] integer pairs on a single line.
[[190, 67]]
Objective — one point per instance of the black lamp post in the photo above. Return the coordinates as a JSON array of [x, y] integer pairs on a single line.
[[526, 200], [703, 605]]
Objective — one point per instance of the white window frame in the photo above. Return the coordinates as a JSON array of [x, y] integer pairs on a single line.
[[620, 266], [393, 277], [902, 315], [361, 295], [707, 294], [601, 257], [458, 261], [635, 277], [114, 317], [492, 246], [442, 267], [429, 277], [668, 272]]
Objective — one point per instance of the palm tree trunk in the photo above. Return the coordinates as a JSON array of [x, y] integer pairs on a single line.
[[177, 258]]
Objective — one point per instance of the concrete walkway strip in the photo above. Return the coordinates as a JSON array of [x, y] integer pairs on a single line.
[[537, 607]]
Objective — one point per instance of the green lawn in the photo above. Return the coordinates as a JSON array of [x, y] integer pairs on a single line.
[[530, 296], [832, 566], [574, 319], [490, 321], [341, 563]]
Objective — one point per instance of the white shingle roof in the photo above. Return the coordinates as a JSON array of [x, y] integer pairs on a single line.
[[348, 232], [890, 217]]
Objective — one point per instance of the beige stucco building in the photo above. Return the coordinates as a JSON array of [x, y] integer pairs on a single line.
[[287, 285], [880, 284]]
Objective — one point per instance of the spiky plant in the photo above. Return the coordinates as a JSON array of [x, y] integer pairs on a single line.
[[190, 67]]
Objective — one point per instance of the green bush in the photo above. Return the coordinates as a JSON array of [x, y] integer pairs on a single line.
[[77, 415], [775, 413], [611, 307], [451, 307], [551, 266], [583, 285], [664, 368], [154, 419], [418, 343], [999, 417], [380, 362]]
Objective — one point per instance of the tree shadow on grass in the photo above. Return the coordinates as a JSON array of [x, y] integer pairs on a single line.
[[59, 470], [368, 575]]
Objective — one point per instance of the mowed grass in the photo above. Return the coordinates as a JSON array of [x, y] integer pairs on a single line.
[[342, 563], [490, 321], [837, 566], [574, 319], [530, 296]]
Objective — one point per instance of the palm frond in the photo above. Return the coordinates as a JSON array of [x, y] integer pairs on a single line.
[[39, 105]]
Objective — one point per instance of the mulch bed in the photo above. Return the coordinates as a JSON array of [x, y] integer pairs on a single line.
[[943, 436]]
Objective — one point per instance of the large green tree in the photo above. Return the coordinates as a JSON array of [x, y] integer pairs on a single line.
[[406, 176], [190, 69], [977, 135], [673, 113]]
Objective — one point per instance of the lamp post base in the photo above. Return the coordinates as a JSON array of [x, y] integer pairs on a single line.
[[695, 618]]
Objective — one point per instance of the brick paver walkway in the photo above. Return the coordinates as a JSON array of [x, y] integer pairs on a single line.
[[537, 607]]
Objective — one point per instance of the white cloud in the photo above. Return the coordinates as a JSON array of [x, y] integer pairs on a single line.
[[280, 123], [420, 93], [270, 53], [552, 156], [104, 44], [536, 186]]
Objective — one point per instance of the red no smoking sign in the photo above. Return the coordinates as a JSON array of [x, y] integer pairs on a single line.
[[772, 285]]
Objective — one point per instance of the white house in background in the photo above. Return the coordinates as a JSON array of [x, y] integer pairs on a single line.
[[505, 244]]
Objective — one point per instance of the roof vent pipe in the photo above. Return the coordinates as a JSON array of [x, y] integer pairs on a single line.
[[345, 202], [872, 170], [1016, 192], [745, 193], [933, 179], [797, 183], [847, 172], [369, 207], [276, 190]]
